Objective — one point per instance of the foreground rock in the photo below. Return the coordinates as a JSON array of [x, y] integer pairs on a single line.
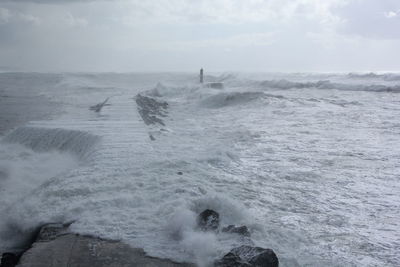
[[55, 247], [246, 256], [208, 220], [9, 259], [243, 256]]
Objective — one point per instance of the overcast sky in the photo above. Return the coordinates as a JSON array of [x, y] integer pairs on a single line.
[[184, 35]]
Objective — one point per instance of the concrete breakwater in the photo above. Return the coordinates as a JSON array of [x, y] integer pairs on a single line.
[[56, 247]]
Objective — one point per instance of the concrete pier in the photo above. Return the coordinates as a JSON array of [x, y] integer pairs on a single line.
[[56, 248]]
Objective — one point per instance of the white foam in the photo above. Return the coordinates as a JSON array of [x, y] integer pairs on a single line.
[[312, 172], [22, 173]]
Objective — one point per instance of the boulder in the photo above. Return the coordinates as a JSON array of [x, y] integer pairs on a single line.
[[51, 231], [231, 260], [208, 220], [9, 259], [245, 256]]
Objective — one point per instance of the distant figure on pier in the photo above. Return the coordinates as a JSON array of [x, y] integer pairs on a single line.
[[201, 75]]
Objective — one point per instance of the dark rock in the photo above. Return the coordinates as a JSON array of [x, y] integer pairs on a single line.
[[256, 256], [150, 109], [9, 259], [208, 220], [180, 173], [248, 256], [266, 258], [231, 260], [50, 231], [241, 230]]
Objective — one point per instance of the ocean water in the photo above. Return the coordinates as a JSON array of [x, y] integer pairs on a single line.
[[309, 162]]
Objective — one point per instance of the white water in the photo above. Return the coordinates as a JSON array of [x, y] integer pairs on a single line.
[[309, 162]]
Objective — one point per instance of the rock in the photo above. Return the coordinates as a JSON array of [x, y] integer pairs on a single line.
[[9, 259], [43, 234], [257, 256], [241, 230], [150, 109], [208, 220], [180, 173], [266, 258], [231, 260], [51, 231], [249, 256]]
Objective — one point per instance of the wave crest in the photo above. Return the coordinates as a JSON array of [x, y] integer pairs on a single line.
[[231, 99], [45, 139], [327, 84]]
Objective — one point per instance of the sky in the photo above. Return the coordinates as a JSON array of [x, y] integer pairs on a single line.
[[184, 35]]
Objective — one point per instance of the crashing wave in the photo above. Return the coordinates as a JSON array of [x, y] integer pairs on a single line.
[[45, 139], [326, 84], [286, 84], [231, 99], [372, 75]]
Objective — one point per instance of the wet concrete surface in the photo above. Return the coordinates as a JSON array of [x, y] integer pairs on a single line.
[[55, 247]]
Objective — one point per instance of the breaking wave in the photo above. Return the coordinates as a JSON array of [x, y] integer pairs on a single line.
[[30, 157], [327, 84], [372, 75], [204, 247], [43, 139], [231, 99]]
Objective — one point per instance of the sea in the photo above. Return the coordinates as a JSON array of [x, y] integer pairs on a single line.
[[309, 162]]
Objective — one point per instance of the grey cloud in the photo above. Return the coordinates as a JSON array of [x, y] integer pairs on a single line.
[[370, 19], [64, 35], [52, 1]]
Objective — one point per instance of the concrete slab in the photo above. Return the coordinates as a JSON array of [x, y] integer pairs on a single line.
[[70, 250]]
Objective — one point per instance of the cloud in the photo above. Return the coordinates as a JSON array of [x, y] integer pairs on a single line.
[[228, 11], [73, 21], [50, 1], [7, 16], [371, 19], [236, 41], [391, 14], [122, 33], [4, 15]]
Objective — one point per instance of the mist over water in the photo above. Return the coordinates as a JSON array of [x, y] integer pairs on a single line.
[[309, 162]]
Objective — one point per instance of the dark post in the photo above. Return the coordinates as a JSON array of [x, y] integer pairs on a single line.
[[201, 75]]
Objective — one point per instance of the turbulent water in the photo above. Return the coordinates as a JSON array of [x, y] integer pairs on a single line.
[[309, 162]]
